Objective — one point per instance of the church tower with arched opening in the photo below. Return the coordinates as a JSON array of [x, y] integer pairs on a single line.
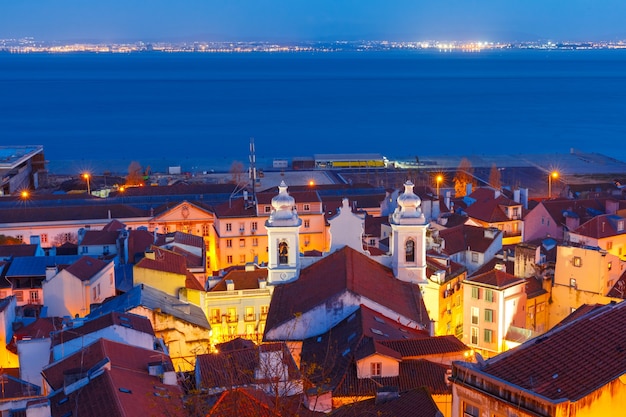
[[408, 240], [283, 229]]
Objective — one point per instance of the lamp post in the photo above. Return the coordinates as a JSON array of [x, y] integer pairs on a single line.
[[554, 175], [86, 176], [438, 180]]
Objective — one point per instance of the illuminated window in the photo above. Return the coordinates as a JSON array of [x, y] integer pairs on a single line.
[[474, 336], [376, 368], [609, 265], [242, 243], [578, 261], [609, 245], [572, 282], [264, 310], [255, 241], [44, 238], [205, 229], [475, 312]]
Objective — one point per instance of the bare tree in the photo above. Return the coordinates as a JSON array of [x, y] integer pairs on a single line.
[[494, 177], [237, 172], [135, 176], [464, 176]]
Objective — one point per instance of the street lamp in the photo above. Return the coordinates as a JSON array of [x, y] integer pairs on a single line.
[[86, 176], [555, 175], [438, 179]]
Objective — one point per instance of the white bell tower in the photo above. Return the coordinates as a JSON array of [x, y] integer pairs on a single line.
[[283, 238], [408, 240]]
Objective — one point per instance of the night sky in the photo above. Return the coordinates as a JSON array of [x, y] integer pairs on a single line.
[[313, 20]]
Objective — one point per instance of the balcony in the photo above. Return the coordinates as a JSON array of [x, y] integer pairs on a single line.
[[215, 320], [233, 318], [249, 317]]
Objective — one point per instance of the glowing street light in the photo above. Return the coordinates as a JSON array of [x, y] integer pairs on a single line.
[[555, 175], [86, 176], [24, 194], [438, 179]]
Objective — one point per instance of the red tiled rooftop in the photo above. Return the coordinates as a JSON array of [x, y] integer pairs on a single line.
[[98, 237], [165, 261], [114, 226], [570, 361], [243, 280], [86, 267], [341, 271], [437, 345], [602, 226], [417, 402], [495, 278], [460, 238], [7, 251]]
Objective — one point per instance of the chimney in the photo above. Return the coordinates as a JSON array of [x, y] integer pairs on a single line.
[[517, 196], [468, 189], [496, 193], [230, 285], [150, 255], [51, 271], [262, 284]]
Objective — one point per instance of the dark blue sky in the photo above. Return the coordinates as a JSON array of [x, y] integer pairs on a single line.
[[298, 20]]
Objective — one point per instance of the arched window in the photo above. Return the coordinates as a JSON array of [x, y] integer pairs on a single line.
[[409, 250], [283, 253]]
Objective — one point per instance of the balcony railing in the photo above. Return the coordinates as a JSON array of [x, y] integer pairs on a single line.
[[233, 318], [249, 317]]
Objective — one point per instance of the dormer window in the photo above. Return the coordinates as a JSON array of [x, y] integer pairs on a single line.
[[409, 250], [306, 207]]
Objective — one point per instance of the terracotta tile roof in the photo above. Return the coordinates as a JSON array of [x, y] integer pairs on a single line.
[[15, 388], [300, 195], [236, 368], [493, 264], [369, 347], [71, 213], [165, 261], [7, 251], [67, 248], [328, 358], [237, 343], [192, 283], [39, 329], [436, 345], [188, 239], [132, 358], [495, 278], [98, 237], [236, 207], [114, 226], [119, 392], [244, 402], [191, 259], [132, 321], [463, 237], [139, 241], [412, 374], [417, 402], [373, 225], [584, 209], [487, 207], [435, 264], [243, 280], [346, 270], [86, 267], [603, 226], [534, 287], [570, 361]]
